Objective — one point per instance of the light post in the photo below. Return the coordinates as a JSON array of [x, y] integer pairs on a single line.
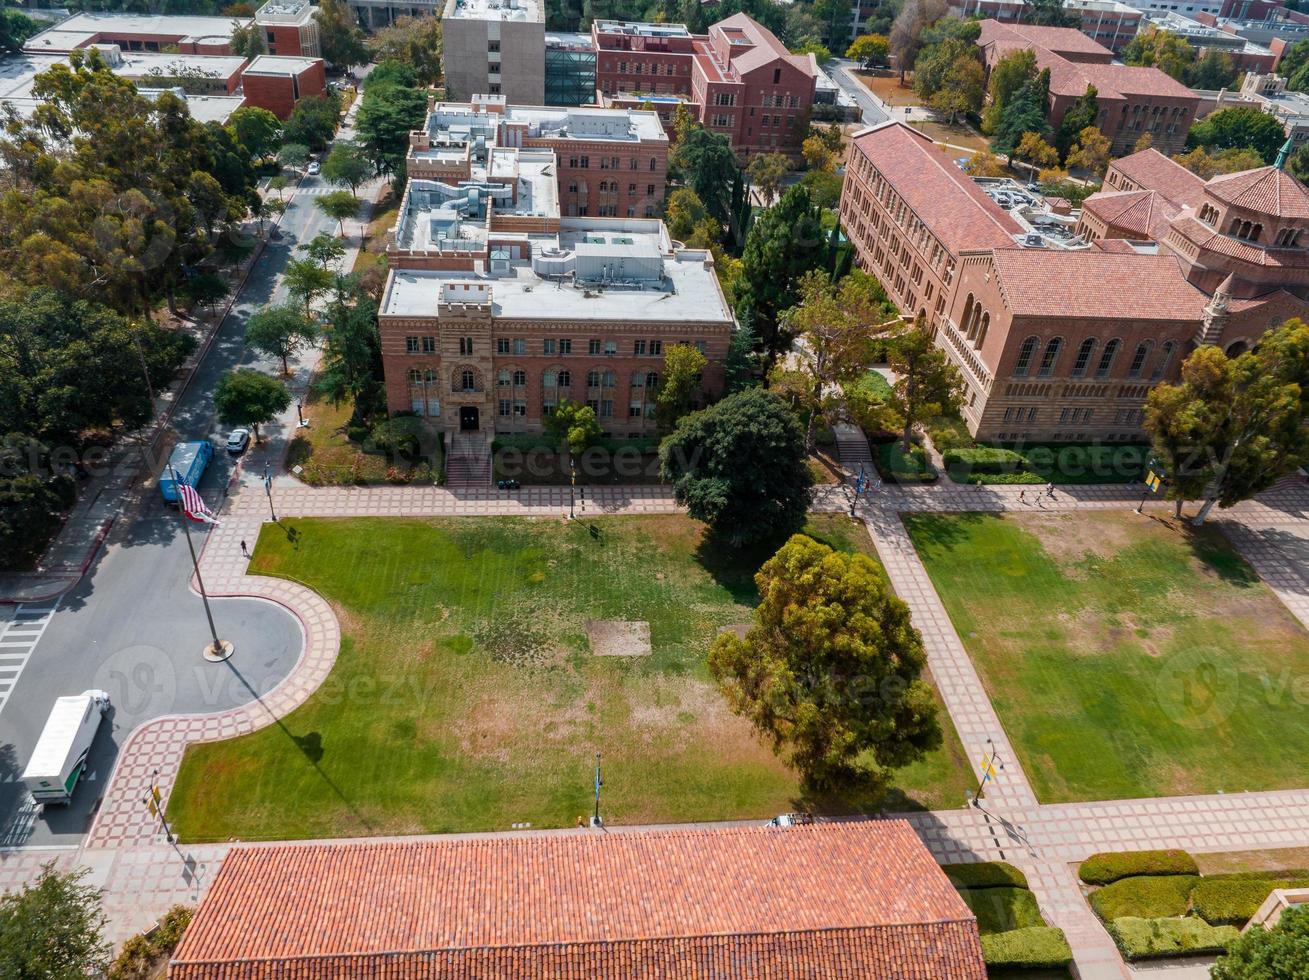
[[268, 489], [988, 771], [572, 484]]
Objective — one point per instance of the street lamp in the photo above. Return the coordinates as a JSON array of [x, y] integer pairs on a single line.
[[268, 489]]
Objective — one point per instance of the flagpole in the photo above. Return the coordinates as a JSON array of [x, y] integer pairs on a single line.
[[220, 651]]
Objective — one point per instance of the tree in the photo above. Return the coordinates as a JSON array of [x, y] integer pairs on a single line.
[[679, 384], [293, 155], [1036, 151], [414, 41], [280, 331], [1239, 128], [1205, 164], [707, 165], [32, 500], [985, 164], [574, 426], [258, 130], [387, 114], [739, 466], [51, 929], [1082, 113], [907, 28], [784, 243], [340, 41], [1299, 163], [683, 212], [338, 206], [1024, 113], [962, 89], [928, 383], [766, 171], [1050, 13], [1008, 77], [247, 40], [346, 164], [816, 155], [1090, 152], [1212, 70], [248, 397], [741, 367], [352, 351], [313, 121], [869, 50], [831, 670], [834, 327], [306, 280], [1294, 66], [324, 249], [1155, 47], [1279, 953], [1143, 142], [1234, 426]]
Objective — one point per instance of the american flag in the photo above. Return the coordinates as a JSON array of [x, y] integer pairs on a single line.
[[193, 505]]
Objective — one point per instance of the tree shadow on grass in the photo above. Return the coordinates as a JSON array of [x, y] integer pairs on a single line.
[[941, 531], [734, 566]]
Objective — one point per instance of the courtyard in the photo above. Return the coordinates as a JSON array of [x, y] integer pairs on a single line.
[[485, 661], [1126, 656]]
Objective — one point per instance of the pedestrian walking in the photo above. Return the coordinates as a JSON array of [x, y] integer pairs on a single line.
[[1049, 490], [245, 551], [1022, 496]]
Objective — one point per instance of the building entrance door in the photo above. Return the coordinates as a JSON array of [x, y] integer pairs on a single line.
[[468, 418]]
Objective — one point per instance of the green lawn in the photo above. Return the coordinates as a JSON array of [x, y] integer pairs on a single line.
[[465, 696], [1064, 462], [1126, 656]]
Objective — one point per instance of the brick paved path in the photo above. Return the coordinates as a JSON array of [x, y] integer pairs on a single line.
[[143, 875]]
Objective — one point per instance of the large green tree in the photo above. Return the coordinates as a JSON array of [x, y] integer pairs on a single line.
[[313, 121], [1234, 426], [1154, 47], [414, 41], [1008, 77], [341, 42], [347, 164], [258, 130], [784, 243], [280, 331], [573, 426], [707, 166], [1081, 114], [339, 205], [739, 466], [52, 929], [32, 500], [1239, 128], [1025, 112], [830, 672], [352, 352], [679, 383], [249, 397], [1294, 66], [1279, 953], [927, 384], [389, 111]]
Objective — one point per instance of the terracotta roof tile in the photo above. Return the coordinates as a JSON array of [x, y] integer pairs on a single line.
[[851, 900], [1202, 235], [1060, 40], [1095, 283], [1144, 214], [1154, 171], [942, 196], [1267, 190]]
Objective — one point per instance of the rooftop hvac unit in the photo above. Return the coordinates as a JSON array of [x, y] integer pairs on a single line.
[[553, 262]]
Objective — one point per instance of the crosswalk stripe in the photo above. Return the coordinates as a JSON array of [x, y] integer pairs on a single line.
[[18, 641]]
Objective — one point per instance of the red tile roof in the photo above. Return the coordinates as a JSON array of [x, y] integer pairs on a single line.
[[1203, 236], [1060, 40], [1142, 214], [1111, 81], [1152, 170], [1097, 284], [942, 196], [857, 899], [1266, 190], [767, 48]]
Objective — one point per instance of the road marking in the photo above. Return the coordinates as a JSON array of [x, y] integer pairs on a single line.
[[17, 642]]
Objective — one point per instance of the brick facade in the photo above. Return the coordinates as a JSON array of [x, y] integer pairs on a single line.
[[278, 84]]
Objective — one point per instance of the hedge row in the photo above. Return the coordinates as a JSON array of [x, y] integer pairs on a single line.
[[1037, 948], [1140, 939], [1144, 897], [1107, 867], [1002, 909], [539, 442], [1232, 901], [983, 460], [985, 874]]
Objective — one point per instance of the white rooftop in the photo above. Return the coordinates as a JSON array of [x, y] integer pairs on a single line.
[[203, 108], [454, 121], [268, 64], [526, 11], [641, 28], [83, 27]]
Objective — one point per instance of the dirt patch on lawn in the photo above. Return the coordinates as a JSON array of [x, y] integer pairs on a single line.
[[740, 629], [618, 637], [1068, 538]]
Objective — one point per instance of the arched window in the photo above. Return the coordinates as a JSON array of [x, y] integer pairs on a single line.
[[981, 331], [1050, 356], [1025, 357], [1107, 358], [415, 376], [502, 377], [1138, 358], [1083, 357], [1165, 356], [651, 379], [968, 312]]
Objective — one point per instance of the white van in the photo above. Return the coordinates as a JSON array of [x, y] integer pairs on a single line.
[[60, 755]]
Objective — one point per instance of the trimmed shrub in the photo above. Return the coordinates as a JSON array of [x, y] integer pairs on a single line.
[[949, 432], [896, 466], [1002, 909], [1037, 948], [1145, 897], [983, 460], [1232, 901], [1282, 875], [1140, 939], [985, 874], [1109, 866]]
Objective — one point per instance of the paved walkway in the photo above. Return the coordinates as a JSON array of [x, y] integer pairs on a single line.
[[143, 874]]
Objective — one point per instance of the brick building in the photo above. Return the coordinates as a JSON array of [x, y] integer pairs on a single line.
[[1107, 22], [738, 80], [1132, 100], [498, 305], [612, 163], [290, 28], [278, 83], [861, 899], [1060, 332]]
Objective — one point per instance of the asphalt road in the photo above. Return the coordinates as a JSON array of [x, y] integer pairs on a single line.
[[873, 113], [132, 626]]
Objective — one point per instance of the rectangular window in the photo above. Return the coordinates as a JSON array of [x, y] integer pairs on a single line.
[[520, 410], [565, 346], [411, 345], [656, 348], [611, 348], [504, 407], [429, 345], [520, 345], [502, 345], [606, 409], [466, 346], [638, 348], [634, 410], [593, 347], [492, 45], [548, 347]]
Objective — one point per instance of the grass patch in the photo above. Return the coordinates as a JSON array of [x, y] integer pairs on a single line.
[[386, 210], [1126, 656], [1015, 953], [328, 457], [1141, 939], [956, 135], [1064, 463], [1276, 862], [1002, 909], [465, 696]]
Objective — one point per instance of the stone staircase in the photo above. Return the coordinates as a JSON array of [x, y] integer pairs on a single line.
[[468, 461], [852, 449]]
